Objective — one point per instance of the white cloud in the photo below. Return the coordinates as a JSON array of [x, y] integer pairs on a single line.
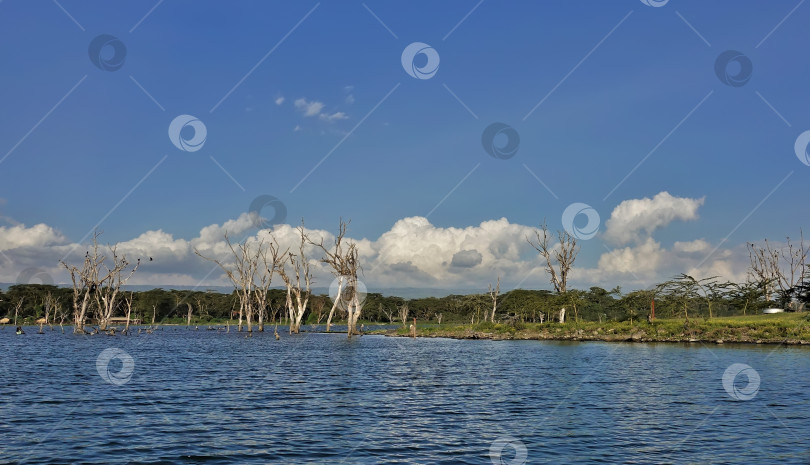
[[413, 252], [297, 128], [18, 236], [279, 100], [309, 108], [334, 116], [634, 220]]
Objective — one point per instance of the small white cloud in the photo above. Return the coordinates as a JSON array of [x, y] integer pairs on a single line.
[[309, 108], [698, 245], [339, 115], [279, 100], [297, 128], [349, 95]]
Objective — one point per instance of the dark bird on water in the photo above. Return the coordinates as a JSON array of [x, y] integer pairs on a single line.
[[150, 259]]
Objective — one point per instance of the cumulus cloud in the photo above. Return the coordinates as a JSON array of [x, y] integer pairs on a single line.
[[40, 235], [412, 253], [309, 108], [279, 100], [466, 259], [635, 220]]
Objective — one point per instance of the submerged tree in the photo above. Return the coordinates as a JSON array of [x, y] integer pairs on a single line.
[[241, 273], [92, 285], [301, 288]]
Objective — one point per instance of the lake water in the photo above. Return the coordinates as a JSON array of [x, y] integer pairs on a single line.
[[211, 397]]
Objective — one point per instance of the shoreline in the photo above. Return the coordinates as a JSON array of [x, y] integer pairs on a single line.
[[478, 335], [789, 329]]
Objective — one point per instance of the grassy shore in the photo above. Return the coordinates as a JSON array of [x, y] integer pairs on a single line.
[[786, 328]]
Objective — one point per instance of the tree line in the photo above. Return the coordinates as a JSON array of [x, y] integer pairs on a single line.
[[777, 276]]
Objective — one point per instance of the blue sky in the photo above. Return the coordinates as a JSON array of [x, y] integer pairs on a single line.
[[618, 81]]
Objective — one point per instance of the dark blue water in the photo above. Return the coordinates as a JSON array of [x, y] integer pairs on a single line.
[[210, 397]]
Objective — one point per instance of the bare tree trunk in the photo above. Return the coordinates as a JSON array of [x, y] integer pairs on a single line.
[[17, 310], [188, 317], [335, 303], [493, 293]]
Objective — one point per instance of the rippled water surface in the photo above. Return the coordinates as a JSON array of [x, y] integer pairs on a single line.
[[211, 397]]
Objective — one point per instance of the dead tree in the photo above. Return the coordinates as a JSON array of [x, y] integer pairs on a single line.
[[270, 260], [317, 308], [91, 285], [109, 287], [403, 313], [335, 257], [559, 260], [493, 293], [241, 275], [48, 304], [188, 314], [355, 305], [780, 267], [128, 304], [301, 287]]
